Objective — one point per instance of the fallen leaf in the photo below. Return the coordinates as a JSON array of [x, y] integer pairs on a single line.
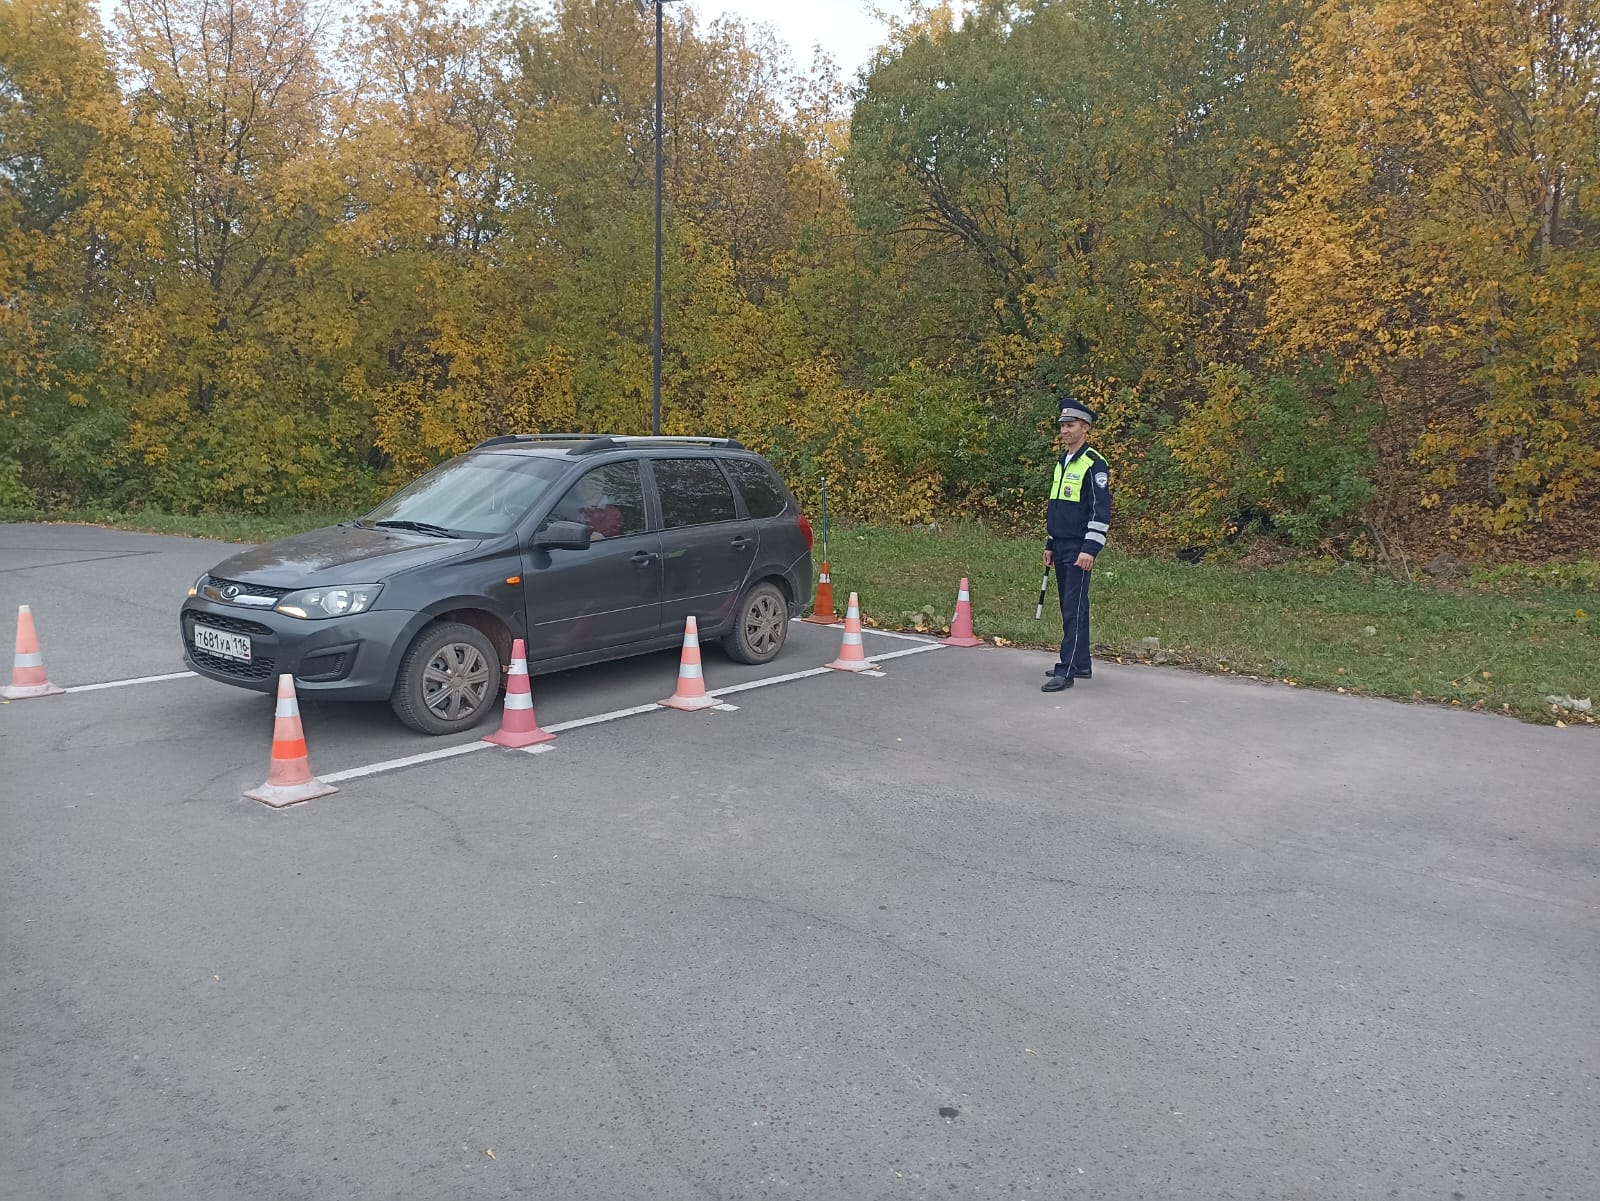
[[489, 1151], [1561, 725]]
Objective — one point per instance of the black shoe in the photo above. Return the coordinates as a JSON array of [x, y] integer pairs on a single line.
[[1057, 684], [1077, 675]]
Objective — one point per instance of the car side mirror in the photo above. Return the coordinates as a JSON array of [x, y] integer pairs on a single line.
[[564, 535]]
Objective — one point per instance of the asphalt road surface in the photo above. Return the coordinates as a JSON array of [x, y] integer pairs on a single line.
[[929, 934]]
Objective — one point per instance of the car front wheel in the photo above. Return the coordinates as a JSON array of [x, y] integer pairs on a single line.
[[760, 627], [447, 681]]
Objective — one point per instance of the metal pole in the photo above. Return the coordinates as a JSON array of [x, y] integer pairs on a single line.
[[824, 480], [655, 376]]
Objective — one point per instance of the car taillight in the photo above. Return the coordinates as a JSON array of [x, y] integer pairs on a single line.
[[805, 528]]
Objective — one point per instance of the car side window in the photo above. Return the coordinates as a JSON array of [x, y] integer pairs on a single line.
[[762, 497], [609, 500], [693, 492]]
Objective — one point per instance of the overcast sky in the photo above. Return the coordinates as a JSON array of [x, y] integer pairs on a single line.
[[844, 28]]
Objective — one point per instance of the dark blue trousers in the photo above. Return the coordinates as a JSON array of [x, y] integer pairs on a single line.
[[1072, 586]]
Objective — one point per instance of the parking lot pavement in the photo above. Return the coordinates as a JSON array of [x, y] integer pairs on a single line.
[[928, 934]]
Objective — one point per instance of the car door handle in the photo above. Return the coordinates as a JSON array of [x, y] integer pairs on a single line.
[[644, 557], [742, 541]]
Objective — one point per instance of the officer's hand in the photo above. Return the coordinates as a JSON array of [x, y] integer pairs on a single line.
[[1086, 562], [1047, 556]]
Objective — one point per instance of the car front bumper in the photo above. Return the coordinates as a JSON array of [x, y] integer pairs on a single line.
[[349, 658]]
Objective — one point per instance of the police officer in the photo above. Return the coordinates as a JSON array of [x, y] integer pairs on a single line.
[[1077, 520]]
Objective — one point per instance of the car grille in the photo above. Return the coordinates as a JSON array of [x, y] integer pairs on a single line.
[[260, 666], [248, 589]]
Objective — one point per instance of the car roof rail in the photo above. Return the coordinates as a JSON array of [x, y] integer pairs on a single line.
[[510, 439], [617, 441]]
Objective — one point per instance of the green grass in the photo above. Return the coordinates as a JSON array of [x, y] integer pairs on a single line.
[[1503, 639], [222, 527]]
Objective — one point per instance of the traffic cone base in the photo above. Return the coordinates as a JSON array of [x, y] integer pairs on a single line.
[[691, 694], [14, 692], [689, 704], [961, 624], [280, 796], [851, 665], [289, 779], [851, 655], [517, 741], [518, 727], [28, 678]]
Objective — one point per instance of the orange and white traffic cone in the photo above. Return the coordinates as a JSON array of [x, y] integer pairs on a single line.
[[28, 677], [691, 694], [289, 779], [518, 728], [961, 623], [822, 613], [851, 656]]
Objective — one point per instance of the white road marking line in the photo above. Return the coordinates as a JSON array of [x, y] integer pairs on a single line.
[[177, 675], [916, 650], [373, 769], [793, 675], [883, 633], [450, 752], [904, 637], [614, 715]]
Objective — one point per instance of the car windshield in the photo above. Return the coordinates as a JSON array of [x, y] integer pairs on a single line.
[[476, 496]]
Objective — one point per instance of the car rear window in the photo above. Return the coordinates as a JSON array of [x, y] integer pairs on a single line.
[[693, 492], [762, 496]]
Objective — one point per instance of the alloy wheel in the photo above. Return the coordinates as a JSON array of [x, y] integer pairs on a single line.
[[764, 623], [456, 681]]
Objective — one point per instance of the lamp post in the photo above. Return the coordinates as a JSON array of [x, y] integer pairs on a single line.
[[655, 361]]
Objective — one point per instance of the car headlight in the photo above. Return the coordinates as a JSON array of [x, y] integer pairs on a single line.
[[342, 601], [194, 588]]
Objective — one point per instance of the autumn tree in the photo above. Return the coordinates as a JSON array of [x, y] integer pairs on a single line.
[[1440, 239], [62, 138]]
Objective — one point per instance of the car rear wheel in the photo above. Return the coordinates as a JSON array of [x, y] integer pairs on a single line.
[[447, 681], [760, 627]]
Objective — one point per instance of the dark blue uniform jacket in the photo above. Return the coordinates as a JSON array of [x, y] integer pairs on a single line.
[[1079, 514]]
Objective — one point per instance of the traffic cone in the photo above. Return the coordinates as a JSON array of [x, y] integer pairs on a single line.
[[851, 656], [961, 623], [28, 677], [691, 694], [822, 613], [289, 779], [518, 728]]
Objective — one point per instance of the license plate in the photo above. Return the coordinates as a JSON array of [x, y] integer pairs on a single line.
[[220, 642]]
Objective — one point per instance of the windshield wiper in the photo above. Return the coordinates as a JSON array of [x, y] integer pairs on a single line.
[[421, 527]]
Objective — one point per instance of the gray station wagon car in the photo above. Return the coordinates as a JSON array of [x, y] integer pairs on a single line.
[[589, 547]]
